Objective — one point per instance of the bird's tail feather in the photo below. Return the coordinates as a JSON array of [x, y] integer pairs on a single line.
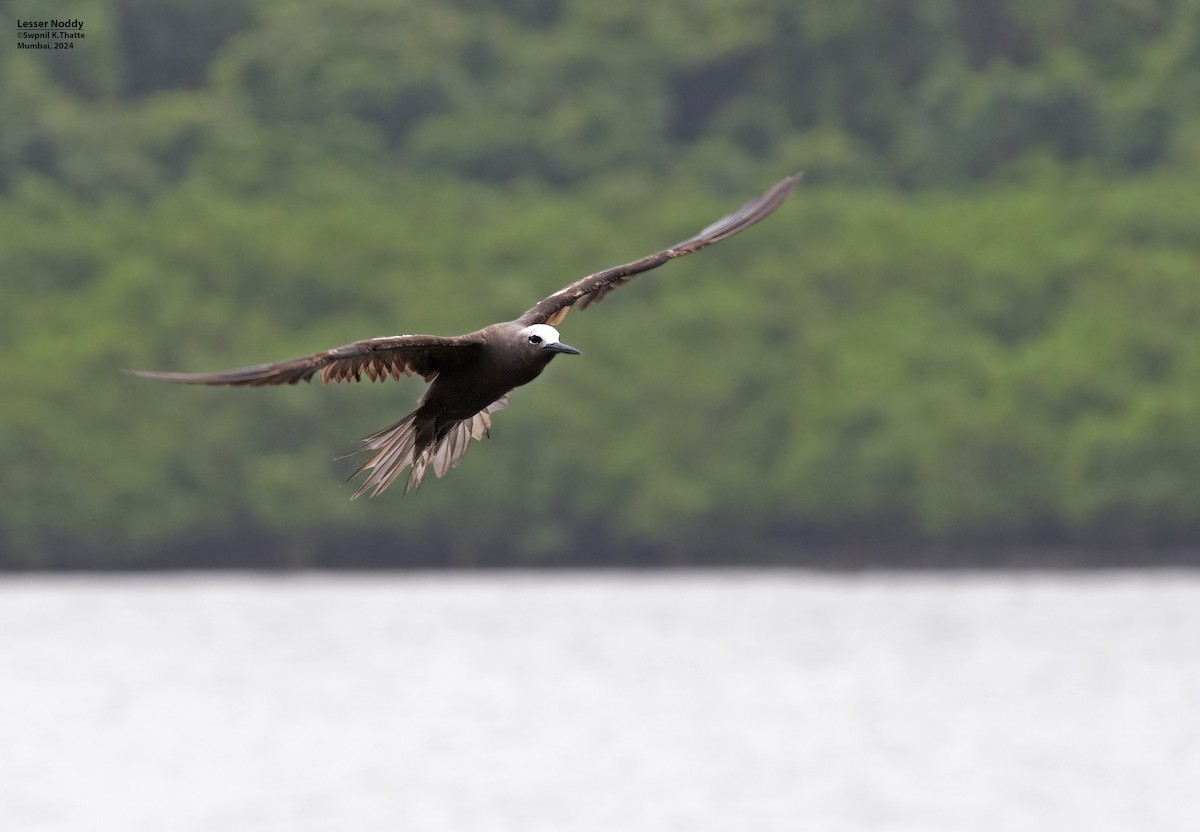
[[412, 443]]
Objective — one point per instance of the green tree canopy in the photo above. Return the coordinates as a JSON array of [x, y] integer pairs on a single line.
[[975, 323]]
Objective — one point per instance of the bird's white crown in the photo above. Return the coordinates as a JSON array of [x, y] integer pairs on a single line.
[[539, 334]]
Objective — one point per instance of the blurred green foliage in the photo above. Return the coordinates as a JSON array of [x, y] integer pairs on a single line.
[[977, 322]]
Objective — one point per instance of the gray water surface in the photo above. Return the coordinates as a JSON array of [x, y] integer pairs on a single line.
[[691, 702]]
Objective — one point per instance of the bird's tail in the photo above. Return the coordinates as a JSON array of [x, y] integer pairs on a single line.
[[415, 442]]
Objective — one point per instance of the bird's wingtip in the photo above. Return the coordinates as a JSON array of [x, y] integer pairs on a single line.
[[156, 375], [789, 182]]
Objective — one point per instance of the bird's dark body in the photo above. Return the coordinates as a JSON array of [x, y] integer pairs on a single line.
[[470, 375], [499, 365]]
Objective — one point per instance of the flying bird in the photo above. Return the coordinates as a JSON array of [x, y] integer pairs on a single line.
[[469, 376]]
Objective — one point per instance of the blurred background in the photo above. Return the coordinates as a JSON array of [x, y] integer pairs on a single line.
[[971, 337]]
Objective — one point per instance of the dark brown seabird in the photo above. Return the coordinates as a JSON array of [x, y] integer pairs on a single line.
[[469, 376]]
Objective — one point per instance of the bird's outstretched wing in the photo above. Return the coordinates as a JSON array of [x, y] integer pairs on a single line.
[[375, 358], [594, 287]]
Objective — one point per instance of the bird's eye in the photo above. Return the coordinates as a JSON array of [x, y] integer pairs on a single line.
[[535, 339]]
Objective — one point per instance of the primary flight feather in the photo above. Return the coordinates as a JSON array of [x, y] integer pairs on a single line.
[[469, 376]]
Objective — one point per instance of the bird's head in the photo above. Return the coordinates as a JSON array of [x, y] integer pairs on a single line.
[[542, 339]]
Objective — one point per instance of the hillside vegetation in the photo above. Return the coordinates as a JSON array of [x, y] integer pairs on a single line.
[[976, 324]]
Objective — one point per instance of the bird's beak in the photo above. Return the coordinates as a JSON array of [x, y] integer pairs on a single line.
[[558, 346]]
